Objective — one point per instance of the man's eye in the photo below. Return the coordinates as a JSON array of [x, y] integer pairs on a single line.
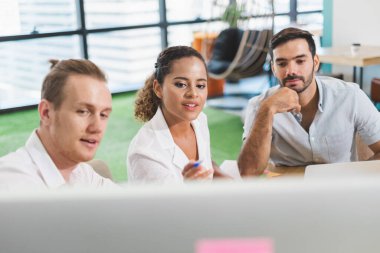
[[281, 64], [83, 112], [180, 85], [104, 115], [300, 61]]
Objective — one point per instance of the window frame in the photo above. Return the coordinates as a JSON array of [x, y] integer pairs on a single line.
[[163, 24]]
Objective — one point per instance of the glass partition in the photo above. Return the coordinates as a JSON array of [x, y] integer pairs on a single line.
[[24, 64], [127, 56]]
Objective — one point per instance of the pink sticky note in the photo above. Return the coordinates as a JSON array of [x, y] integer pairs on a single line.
[[254, 245]]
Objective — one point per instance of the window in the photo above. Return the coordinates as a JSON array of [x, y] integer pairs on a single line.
[[127, 57], [184, 34], [309, 5], [189, 10], [25, 63], [32, 16], [121, 36], [281, 6], [114, 13]]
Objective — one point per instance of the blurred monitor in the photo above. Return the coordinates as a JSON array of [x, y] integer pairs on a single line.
[[351, 170], [318, 216]]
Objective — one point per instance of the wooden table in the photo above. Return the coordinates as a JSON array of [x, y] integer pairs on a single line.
[[284, 171], [230, 168], [368, 55]]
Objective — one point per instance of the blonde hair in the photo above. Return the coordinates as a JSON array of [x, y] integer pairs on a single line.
[[55, 80], [147, 102]]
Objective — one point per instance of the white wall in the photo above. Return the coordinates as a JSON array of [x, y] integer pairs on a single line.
[[356, 21]]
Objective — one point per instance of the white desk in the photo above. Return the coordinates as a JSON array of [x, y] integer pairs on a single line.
[[368, 55]]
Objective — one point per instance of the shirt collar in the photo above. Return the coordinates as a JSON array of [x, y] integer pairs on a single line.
[[161, 129], [320, 91], [166, 140], [47, 169]]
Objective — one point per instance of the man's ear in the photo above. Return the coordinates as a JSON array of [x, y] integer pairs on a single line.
[[272, 66], [316, 63], [157, 88], [45, 110]]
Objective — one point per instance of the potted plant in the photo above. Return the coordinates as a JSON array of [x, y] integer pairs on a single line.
[[233, 13]]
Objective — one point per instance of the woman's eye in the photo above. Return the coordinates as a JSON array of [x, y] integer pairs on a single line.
[[180, 85], [201, 86]]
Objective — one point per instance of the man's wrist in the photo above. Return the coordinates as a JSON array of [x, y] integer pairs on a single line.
[[267, 109]]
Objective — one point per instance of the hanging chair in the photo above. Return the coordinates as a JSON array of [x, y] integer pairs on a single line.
[[240, 53]]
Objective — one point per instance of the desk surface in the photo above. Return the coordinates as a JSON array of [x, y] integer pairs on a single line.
[[230, 167], [368, 55], [287, 171]]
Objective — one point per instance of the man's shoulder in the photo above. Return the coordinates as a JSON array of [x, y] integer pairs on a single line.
[[84, 170], [17, 171], [85, 175], [334, 84], [17, 160]]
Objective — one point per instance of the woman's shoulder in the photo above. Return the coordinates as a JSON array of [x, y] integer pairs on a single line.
[[151, 137], [145, 136]]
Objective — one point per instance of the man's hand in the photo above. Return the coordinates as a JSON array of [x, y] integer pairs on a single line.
[[283, 100], [254, 157]]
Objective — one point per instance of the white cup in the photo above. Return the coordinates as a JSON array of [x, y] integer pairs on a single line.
[[355, 48]]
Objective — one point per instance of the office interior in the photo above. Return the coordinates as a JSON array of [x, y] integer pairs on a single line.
[[124, 37]]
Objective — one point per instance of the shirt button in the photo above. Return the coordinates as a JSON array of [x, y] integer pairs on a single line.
[[311, 138]]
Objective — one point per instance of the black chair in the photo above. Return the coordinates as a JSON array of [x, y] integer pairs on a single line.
[[239, 54], [375, 91]]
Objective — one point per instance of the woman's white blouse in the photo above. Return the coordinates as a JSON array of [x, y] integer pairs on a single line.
[[153, 155]]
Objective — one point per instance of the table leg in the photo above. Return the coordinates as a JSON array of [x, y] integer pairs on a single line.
[[355, 78], [361, 78]]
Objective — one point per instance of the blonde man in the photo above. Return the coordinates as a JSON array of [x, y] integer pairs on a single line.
[[74, 110]]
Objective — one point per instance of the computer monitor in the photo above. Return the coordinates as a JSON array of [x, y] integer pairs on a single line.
[[313, 217], [350, 170]]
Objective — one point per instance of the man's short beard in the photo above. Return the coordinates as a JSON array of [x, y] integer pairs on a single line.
[[307, 83]]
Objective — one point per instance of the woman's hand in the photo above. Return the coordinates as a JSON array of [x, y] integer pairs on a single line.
[[193, 172]]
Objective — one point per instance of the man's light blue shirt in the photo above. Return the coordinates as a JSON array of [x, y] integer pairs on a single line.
[[343, 110]]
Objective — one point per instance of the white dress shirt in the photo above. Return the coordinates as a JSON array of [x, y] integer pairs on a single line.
[[153, 155], [31, 167], [343, 110]]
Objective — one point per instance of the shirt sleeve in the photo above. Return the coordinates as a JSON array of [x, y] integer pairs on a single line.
[[367, 119]]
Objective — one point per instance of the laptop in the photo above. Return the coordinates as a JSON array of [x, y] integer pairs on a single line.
[[343, 170]]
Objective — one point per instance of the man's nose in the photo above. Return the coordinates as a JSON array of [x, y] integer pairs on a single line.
[[292, 69], [96, 124]]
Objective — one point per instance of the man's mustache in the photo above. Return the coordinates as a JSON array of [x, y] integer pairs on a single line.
[[289, 78]]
